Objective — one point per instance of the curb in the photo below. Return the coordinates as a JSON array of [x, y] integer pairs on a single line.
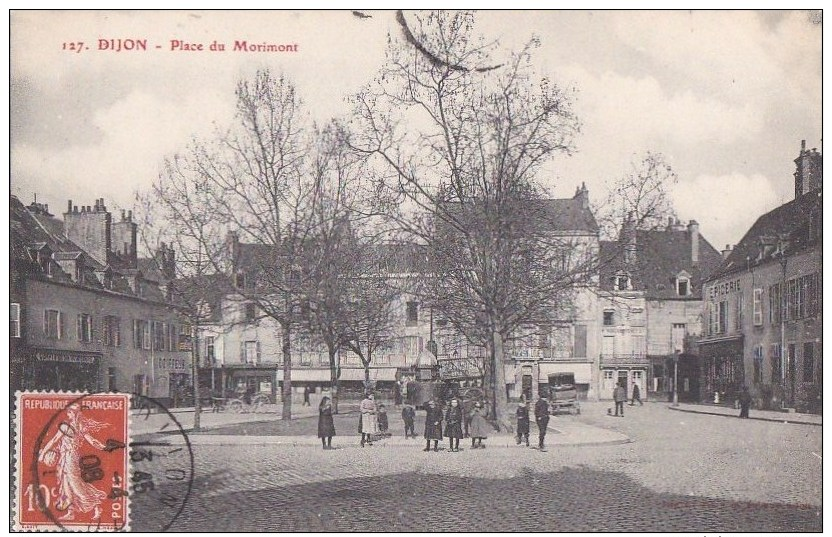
[[773, 420]]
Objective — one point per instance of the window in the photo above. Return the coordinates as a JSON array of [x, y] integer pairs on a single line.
[[580, 341], [53, 324], [158, 335], [141, 334], [251, 312], [609, 318], [738, 312], [305, 358], [639, 345], [622, 281], [112, 331], [808, 362], [758, 307], [412, 313], [84, 327], [209, 348], [383, 359], [682, 286], [776, 371], [112, 385], [239, 280], [251, 352], [411, 345], [774, 304], [758, 364], [173, 340], [609, 374], [678, 331], [14, 320]]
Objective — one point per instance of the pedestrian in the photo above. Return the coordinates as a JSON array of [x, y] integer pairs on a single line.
[[306, 391], [398, 393], [408, 416], [636, 395], [326, 427], [383, 424], [369, 420], [619, 395], [523, 422], [745, 402], [541, 416], [479, 426], [453, 424], [433, 425]]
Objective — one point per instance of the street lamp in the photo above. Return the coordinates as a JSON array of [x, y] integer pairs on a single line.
[[676, 379]]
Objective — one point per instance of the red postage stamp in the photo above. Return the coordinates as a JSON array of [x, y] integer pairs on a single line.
[[72, 461]]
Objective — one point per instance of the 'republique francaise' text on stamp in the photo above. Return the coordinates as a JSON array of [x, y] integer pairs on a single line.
[[72, 461]]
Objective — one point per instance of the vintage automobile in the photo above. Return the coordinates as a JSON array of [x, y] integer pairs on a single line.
[[563, 395]]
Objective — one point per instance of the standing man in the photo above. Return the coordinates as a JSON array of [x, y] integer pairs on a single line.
[[619, 395], [636, 396], [306, 392], [522, 422], [745, 402], [541, 416]]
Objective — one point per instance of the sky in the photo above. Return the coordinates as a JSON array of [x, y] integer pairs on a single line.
[[725, 96]]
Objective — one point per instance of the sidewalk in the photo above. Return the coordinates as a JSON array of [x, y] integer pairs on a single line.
[[562, 433], [144, 424], [762, 415]]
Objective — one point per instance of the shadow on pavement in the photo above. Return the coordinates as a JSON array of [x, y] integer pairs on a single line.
[[570, 500]]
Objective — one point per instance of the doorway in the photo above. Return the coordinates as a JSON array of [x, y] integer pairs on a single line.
[[622, 381]]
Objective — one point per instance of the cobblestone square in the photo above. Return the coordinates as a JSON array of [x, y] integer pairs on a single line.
[[680, 472]]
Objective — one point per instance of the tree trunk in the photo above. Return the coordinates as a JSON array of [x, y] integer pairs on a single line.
[[195, 367], [502, 416], [287, 372], [333, 373]]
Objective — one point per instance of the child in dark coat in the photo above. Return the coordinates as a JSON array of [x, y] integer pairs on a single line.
[[326, 426], [433, 426], [522, 423], [383, 423], [453, 424], [409, 415]]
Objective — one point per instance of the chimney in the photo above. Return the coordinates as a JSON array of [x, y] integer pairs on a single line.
[[693, 231], [91, 230], [582, 194], [627, 238], [726, 252], [232, 241], [808, 175]]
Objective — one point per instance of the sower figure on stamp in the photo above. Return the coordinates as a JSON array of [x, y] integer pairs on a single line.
[[326, 426], [523, 422], [433, 426], [64, 451], [541, 416], [453, 424]]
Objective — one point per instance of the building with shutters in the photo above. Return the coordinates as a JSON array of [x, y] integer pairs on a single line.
[[763, 306], [242, 351], [649, 302], [86, 313]]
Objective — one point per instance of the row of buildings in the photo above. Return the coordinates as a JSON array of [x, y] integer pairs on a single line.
[[665, 310]]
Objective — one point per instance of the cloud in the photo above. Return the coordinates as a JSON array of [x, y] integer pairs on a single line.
[[725, 206]]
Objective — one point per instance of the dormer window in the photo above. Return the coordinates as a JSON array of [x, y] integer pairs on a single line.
[[622, 281], [683, 284]]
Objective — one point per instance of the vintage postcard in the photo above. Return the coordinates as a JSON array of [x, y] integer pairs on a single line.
[[416, 271]]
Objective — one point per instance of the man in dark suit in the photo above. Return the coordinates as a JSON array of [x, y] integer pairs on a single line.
[[541, 416]]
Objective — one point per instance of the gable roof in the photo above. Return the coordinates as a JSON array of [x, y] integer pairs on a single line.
[[796, 226], [661, 255]]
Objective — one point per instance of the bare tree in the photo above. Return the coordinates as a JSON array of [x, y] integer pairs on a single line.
[[250, 181], [461, 148], [640, 198]]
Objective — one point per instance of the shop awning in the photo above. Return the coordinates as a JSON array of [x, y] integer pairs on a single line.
[[385, 374], [582, 372], [309, 375]]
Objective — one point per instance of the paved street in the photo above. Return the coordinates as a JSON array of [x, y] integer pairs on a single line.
[[681, 472]]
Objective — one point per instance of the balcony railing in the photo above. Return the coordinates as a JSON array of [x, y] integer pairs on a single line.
[[634, 358]]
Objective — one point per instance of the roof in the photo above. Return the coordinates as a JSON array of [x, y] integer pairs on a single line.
[[661, 255], [32, 231], [791, 228]]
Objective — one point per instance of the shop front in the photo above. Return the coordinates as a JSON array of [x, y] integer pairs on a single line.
[[354, 384], [721, 369], [53, 369]]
